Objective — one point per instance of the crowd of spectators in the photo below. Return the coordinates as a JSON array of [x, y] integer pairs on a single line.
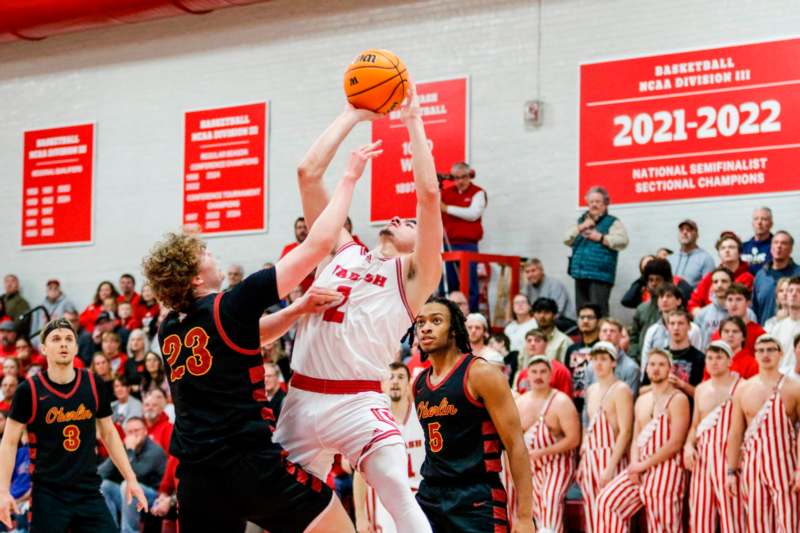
[[681, 301]]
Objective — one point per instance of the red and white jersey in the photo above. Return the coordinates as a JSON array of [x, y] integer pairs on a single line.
[[379, 518], [360, 337]]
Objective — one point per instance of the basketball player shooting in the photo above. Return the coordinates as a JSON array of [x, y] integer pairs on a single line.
[[335, 404]]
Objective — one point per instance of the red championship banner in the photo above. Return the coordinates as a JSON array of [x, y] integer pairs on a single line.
[[57, 186], [707, 123], [224, 179], [445, 110]]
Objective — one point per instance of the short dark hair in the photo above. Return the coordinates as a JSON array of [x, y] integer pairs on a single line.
[[299, 219], [658, 267], [794, 280], [784, 232], [684, 314], [58, 323], [536, 332], [545, 304], [722, 269], [738, 288], [738, 322], [395, 365], [122, 380], [669, 288], [128, 276], [136, 419], [728, 235], [594, 308], [502, 337]]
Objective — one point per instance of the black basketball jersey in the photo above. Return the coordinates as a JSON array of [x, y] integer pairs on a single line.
[[216, 375], [461, 443], [61, 422]]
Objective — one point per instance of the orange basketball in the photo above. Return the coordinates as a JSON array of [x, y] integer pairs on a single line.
[[376, 80]]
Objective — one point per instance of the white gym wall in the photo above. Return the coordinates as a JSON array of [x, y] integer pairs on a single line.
[[136, 81]]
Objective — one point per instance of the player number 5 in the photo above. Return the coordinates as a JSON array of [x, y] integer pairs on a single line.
[[435, 440]]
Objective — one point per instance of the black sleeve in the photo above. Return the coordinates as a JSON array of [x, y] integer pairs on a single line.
[[22, 404], [698, 368], [248, 300], [633, 296], [103, 399]]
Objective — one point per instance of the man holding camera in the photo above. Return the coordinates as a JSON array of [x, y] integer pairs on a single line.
[[462, 209]]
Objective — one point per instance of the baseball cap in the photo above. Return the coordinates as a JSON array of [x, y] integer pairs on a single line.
[[7, 325], [688, 222], [103, 316], [477, 317], [540, 359], [53, 282], [605, 346], [766, 337], [722, 345]]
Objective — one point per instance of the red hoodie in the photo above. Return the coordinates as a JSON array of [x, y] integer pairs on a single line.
[[160, 431], [701, 296]]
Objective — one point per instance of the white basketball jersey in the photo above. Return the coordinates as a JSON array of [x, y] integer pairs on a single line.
[[378, 516], [360, 337]]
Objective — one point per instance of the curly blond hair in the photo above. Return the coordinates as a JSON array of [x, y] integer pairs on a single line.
[[170, 268]]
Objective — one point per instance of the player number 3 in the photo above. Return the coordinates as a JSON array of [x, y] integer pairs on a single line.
[[72, 439], [198, 363]]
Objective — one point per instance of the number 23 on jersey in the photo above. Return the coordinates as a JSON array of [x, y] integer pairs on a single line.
[[198, 364]]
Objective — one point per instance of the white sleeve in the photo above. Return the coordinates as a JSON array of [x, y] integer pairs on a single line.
[[473, 212]]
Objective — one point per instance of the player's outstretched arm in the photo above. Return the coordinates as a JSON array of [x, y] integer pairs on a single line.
[[315, 300], [323, 235], [8, 454], [116, 451], [490, 386], [424, 265], [312, 168]]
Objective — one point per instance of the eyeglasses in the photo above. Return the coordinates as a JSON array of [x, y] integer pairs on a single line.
[[587, 317]]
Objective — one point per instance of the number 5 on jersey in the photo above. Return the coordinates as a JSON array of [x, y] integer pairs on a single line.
[[435, 440], [198, 363]]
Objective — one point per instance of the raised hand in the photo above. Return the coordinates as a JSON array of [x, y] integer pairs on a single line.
[[360, 156], [360, 115], [318, 299], [409, 110]]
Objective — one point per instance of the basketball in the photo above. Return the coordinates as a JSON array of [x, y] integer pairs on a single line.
[[376, 80]]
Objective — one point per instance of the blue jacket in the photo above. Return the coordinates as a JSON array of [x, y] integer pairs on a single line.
[[592, 260], [764, 289]]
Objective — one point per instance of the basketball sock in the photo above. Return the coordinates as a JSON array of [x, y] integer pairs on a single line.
[[386, 471]]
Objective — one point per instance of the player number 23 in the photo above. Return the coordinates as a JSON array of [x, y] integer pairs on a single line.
[[198, 363]]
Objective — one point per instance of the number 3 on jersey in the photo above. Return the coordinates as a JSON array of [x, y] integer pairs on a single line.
[[72, 436], [198, 363], [333, 314]]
